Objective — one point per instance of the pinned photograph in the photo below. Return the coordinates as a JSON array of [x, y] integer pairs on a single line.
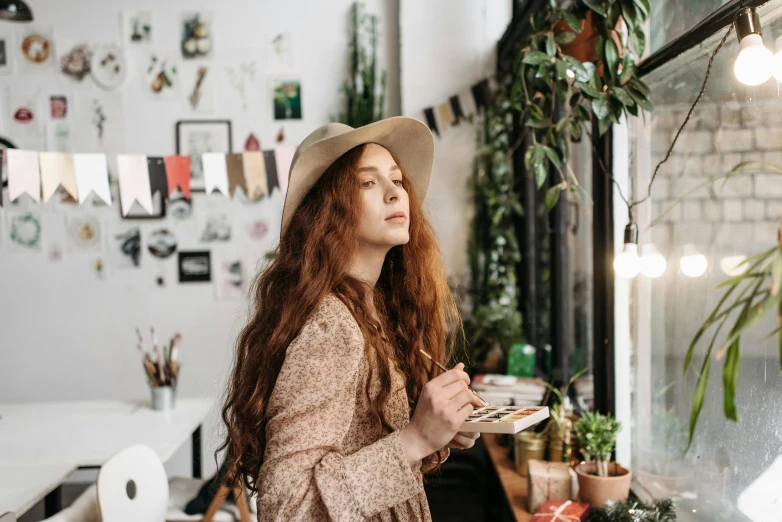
[[76, 61], [58, 107], [36, 47], [108, 66], [26, 123], [24, 231], [197, 137], [124, 246], [195, 267], [216, 227], [196, 41], [83, 233], [287, 100], [199, 84], [229, 279], [179, 206], [161, 76], [137, 27], [282, 51], [161, 243]]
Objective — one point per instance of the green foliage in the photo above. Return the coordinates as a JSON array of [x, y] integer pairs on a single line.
[[547, 78], [748, 298], [634, 511], [364, 98], [493, 247], [596, 434]]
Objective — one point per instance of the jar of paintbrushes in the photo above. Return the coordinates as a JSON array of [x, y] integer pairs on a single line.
[[161, 366]]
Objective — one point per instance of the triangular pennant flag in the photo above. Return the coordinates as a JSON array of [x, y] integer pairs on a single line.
[[234, 164], [133, 177], [271, 170], [456, 107], [158, 181], [467, 101], [284, 157], [215, 172], [92, 175], [480, 92], [24, 175], [431, 121], [178, 174], [255, 175], [57, 170], [444, 115]]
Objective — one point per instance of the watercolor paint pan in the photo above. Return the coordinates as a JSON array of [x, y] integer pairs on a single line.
[[504, 419]]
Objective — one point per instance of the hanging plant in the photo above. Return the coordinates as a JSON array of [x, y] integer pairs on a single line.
[[577, 62], [364, 97], [493, 247]]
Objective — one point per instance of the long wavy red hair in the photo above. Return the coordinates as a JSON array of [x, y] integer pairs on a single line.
[[412, 299]]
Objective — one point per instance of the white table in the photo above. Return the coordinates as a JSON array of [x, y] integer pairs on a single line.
[[24, 485], [85, 434]]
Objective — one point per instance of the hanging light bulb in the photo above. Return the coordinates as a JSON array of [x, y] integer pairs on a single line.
[[754, 64], [733, 265], [653, 263], [628, 264], [693, 263]]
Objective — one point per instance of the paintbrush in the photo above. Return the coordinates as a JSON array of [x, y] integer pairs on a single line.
[[145, 362], [160, 355], [443, 368]]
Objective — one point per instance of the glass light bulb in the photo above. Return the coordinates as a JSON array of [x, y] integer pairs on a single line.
[[653, 263], [754, 63], [693, 263], [730, 265], [628, 264]]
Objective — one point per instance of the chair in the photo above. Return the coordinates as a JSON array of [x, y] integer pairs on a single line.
[[132, 486]]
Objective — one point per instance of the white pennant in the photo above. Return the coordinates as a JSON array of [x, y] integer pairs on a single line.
[[24, 175], [92, 175], [215, 172], [133, 176]]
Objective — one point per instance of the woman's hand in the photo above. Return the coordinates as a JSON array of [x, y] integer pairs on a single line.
[[464, 440], [445, 402]]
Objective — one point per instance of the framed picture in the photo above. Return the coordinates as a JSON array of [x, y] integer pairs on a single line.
[[287, 100], [195, 137]]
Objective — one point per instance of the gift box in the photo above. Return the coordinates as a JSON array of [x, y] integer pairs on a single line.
[[557, 511], [548, 481]]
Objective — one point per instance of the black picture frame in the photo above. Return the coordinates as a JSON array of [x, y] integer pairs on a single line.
[[193, 134]]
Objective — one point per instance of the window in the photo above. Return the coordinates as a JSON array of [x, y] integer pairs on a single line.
[[738, 217]]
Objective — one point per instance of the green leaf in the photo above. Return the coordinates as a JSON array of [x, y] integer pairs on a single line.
[[572, 21], [565, 38], [600, 48], [552, 196], [644, 8], [628, 69], [638, 39], [613, 14], [628, 12], [535, 112], [536, 58], [588, 89], [603, 125], [600, 106], [752, 316], [639, 98], [561, 68], [612, 56], [582, 73], [700, 394], [595, 6], [623, 97], [528, 155], [776, 274], [575, 99], [551, 47], [540, 173], [538, 124], [641, 87], [575, 131], [552, 154], [582, 113], [730, 377]]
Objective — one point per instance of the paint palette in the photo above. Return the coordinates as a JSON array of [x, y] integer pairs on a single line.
[[504, 419]]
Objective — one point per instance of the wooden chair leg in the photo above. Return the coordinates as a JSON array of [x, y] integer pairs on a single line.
[[241, 501], [216, 504]]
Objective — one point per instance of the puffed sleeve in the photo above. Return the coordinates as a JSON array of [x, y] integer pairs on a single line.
[[305, 474]]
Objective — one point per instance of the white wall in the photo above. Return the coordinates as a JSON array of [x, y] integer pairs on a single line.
[[66, 336], [448, 45]]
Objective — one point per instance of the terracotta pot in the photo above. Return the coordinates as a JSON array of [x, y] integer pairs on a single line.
[[597, 491], [582, 47]]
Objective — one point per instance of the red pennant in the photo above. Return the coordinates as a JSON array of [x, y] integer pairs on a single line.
[[178, 174]]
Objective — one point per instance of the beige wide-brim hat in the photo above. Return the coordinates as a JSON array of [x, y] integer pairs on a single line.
[[408, 140]]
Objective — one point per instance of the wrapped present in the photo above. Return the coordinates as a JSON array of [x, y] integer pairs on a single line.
[[548, 481], [558, 511]]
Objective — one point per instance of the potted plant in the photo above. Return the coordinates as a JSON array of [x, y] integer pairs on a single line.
[[599, 479], [560, 429]]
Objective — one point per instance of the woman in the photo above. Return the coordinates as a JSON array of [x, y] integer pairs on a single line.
[[329, 368]]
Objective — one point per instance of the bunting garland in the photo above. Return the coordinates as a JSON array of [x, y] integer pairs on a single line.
[[158, 181], [24, 174], [459, 107], [57, 171], [134, 184], [92, 176], [178, 174]]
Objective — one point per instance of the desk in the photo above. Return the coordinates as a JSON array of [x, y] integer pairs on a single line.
[[514, 485], [87, 433], [24, 485]]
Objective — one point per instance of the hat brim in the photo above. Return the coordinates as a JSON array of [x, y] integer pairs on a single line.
[[408, 140]]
